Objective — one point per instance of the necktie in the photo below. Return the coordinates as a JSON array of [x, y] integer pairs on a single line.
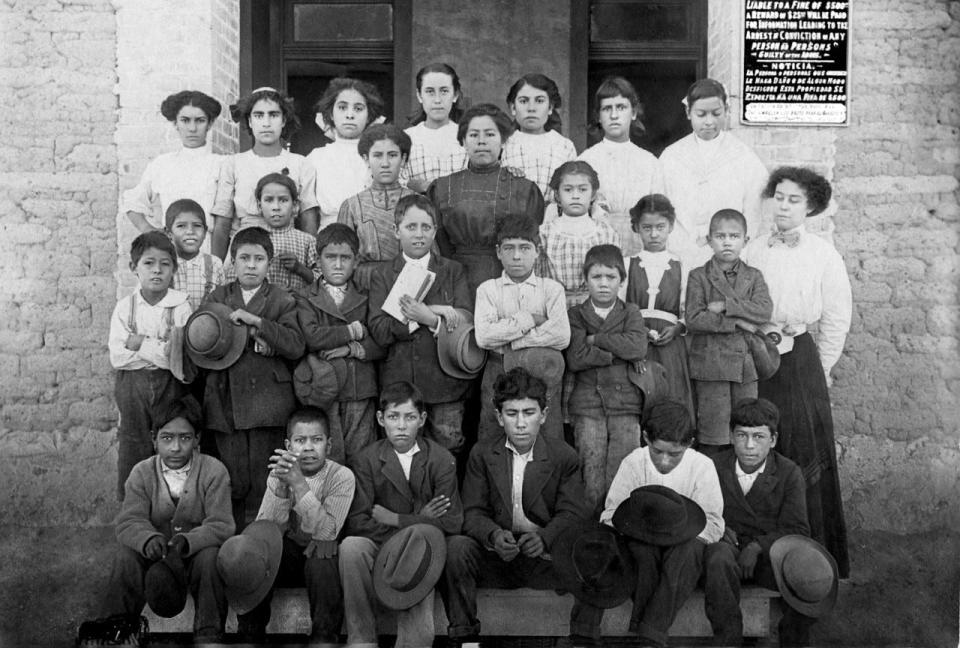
[[790, 239]]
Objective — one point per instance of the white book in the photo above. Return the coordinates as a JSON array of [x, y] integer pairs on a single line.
[[413, 280]]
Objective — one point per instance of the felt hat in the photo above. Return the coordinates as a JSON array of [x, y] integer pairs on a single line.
[[594, 564], [212, 341], [652, 383], [165, 585], [763, 349], [248, 564], [409, 565], [806, 574], [318, 382], [660, 516], [546, 364], [459, 354]]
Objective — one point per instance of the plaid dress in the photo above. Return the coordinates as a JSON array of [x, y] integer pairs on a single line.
[[287, 239], [538, 156], [565, 242], [435, 153], [198, 277]]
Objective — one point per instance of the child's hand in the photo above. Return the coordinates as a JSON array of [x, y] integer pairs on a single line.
[[339, 352], [156, 548], [241, 316], [385, 516], [640, 366], [748, 560], [417, 311], [531, 544], [134, 341], [505, 545], [591, 339], [288, 260], [436, 507], [357, 330], [717, 307], [285, 466], [730, 536], [451, 317], [261, 346], [666, 335]]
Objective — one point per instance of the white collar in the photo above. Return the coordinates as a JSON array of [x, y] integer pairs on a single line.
[[412, 451], [528, 455], [423, 262], [165, 469], [741, 473], [171, 299]]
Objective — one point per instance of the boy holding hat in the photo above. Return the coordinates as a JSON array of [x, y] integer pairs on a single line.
[[406, 485], [175, 515], [331, 312], [763, 501]]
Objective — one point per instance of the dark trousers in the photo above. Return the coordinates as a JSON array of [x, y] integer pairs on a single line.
[[246, 454], [470, 566], [125, 593], [320, 576], [722, 587], [666, 576], [142, 395]]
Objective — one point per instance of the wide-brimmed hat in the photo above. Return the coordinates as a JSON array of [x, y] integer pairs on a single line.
[[652, 383], [546, 364], [318, 382], [212, 341], [594, 564], [806, 574], [409, 565], [459, 354], [248, 564], [165, 585], [660, 516]]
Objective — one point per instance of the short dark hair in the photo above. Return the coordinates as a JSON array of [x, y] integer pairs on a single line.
[[370, 93], [309, 415], [518, 227], [545, 84], [414, 200], [669, 421], [152, 239], [728, 215], [816, 188], [240, 111], [400, 392], [575, 167], [618, 86], [378, 132], [183, 206], [517, 384], [704, 89], [186, 408], [335, 233], [501, 119], [280, 179], [754, 412], [252, 236], [170, 107], [604, 255], [652, 204]]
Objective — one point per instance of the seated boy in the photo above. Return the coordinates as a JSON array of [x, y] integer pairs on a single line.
[[198, 272], [763, 500], [402, 480], [248, 403], [177, 501], [516, 312], [666, 574], [412, 355], [139, 345], [521, 490], [725, 298], [331, 313], [309, 496]]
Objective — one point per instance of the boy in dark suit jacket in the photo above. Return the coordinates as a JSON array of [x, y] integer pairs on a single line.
[[521, 490], [412, 355], [332, 312], [725, 297], [763, 500], [248, 403]]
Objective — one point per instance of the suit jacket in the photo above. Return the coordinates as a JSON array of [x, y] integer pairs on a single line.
[[602, 387], [553, 495], [413, 356], [380, 480], [325, 326], [203, 515], [718, 350], [775, 506], [257, 390]]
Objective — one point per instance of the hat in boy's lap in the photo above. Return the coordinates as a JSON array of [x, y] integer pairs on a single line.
[[248, 564], [594, 564], [458, 352], [652, 382], [212, 341], [660, 516], [409, 565], [806, 574], [546, 364], [318, 382], [165, 585]]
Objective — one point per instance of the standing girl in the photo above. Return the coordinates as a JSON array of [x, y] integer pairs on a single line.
[[566, 239], [626, 171], [537, 148], [709, 170], [345, 110], [435, 150], [473, 202], [656, 283], [808, 284], [189, 172], [269, 116]]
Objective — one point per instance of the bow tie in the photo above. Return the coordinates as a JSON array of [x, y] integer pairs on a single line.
[[791, 239]]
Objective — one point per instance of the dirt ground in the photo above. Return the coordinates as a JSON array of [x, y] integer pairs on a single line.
[[904, 589]]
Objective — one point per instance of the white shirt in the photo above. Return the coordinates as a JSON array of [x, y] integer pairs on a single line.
[[746, 479], [422, 262], [435, 152], [694, 477], [406, 459], [248, 294], [175, 477], [341, 173], [521, 523], [602, 312], [808, 283], [149, 321]]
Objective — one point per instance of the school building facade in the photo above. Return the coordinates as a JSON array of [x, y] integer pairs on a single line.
[[84, 79]]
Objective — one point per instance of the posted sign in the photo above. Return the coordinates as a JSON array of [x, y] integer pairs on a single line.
[[796, 62]]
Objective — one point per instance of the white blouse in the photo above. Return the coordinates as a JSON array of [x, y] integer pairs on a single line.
[[341, 173]]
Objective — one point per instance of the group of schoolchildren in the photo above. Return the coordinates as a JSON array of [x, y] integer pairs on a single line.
[[559, 353]]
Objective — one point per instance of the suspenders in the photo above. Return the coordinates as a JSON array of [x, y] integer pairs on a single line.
[[166, 320]]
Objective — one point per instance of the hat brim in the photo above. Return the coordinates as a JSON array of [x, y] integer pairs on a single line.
[[652, 383], [165, 590], [318, 382], [779, 551], [270, 534], [542, 362], [450, 346], [237, 344], [562, 554], [696, 521], [395, 599]]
